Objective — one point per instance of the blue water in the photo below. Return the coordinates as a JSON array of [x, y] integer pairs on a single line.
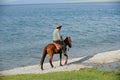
[[26, 29]]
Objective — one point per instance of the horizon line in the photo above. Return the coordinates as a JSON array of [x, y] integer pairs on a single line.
[[59, 3]]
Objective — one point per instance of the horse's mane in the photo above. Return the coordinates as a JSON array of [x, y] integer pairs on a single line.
[[66, 39]]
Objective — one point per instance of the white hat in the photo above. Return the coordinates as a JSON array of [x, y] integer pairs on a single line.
[[58, 26]]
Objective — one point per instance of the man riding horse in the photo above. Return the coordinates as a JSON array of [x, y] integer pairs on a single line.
[[57, 39], [58, 46]]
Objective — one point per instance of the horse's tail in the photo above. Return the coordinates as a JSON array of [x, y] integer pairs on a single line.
[[43, 57]]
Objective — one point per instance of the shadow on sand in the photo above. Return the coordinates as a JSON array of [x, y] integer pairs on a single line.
[[82, 60]]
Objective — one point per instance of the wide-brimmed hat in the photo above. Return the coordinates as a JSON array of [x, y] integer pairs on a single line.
[[58, 26]]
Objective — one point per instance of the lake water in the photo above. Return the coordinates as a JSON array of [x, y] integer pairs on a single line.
[[26, 29]]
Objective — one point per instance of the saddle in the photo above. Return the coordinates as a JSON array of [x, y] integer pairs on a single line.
[[58, 46]]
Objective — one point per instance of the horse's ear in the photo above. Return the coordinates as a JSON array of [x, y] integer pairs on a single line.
[[68, 36]]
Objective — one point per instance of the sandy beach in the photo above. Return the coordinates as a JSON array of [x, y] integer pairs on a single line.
[[105, 60]]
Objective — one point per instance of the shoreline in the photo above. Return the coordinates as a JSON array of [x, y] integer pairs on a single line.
[[104, 61]]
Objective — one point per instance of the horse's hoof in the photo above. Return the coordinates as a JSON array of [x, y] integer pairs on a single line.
[[61, 65], [52, 66], [42, 69], [65, 63]]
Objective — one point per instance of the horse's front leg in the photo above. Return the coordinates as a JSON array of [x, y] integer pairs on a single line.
[[66, 58], [60, 59]]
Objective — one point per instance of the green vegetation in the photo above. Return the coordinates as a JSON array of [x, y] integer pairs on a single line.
[[85, 74]]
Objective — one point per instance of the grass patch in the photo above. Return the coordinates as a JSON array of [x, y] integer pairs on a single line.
[[85, 74]]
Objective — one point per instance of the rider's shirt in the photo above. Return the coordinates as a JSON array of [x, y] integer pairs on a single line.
[[56, 35]]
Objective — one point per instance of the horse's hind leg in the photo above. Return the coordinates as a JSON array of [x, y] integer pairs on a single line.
[[66, 58], [50, 60]]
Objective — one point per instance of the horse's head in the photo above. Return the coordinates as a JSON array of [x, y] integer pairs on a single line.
[[68, 41]]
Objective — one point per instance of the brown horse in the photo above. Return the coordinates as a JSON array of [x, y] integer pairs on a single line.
[[51, 49]]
